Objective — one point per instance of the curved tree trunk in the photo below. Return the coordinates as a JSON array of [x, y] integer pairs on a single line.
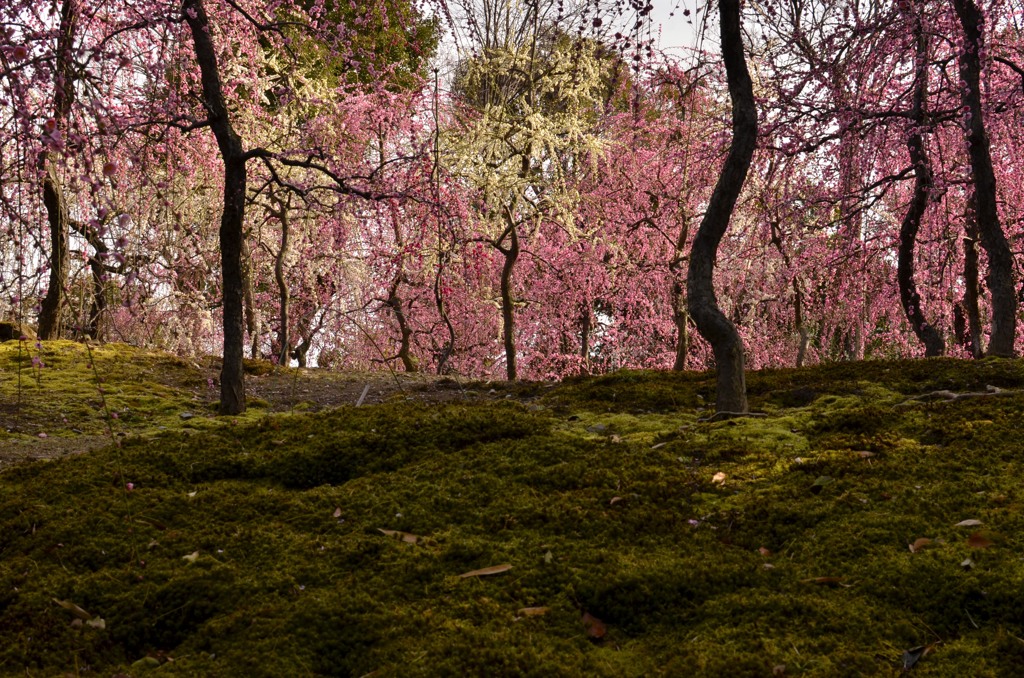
[[232, 378], [1000, 259], [50, 323], [911, 300], [703, 306], [511, 254], [395, 302]]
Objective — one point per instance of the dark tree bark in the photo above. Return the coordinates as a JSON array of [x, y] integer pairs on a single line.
[[252, 314], [909, 296], [798, 297], [680, 315], [232, 378], [508, 331], [50, 321], [1000, 260], [397, 304], [975, 342], [703, 306], [586, 327], [283, 291]]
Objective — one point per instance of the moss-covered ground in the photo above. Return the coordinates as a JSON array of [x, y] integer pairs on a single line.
[[855, 528]]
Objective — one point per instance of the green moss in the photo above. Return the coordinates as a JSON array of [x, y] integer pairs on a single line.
[[728, 548]]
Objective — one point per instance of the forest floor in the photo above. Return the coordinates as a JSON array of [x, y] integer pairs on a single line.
[[868, 520], [38, 426]]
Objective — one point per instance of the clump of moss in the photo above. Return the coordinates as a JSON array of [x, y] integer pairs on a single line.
[[826, 536]]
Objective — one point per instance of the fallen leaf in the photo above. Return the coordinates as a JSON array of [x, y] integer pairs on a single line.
[[614, 501], [764, 552], [73, 609], [978, 541], [616, 439], [970, 522], [484, 572], [192, 557], [594, 627], [407, 537], [533, 611], [967, 564], [97, 623], [192, 494], [919, 544], [779, 670], [337, 512], [719, 478], [865, 454], [659, 445]]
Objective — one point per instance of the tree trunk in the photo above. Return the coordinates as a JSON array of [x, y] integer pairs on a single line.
[[232, 378], [252, 314], [51, 324], [283, 291], [798, 296], [586, 327], [911, 300], [975, 340], [680, 315], [50, 321], [98, 306], [395, 303], [507, 302], [703, 306], [1000, 260]]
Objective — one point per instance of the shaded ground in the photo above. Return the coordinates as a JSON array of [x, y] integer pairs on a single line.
[[869, 522], [39, 420]]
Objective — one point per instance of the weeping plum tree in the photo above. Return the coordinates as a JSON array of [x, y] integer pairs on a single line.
[[703, 305]]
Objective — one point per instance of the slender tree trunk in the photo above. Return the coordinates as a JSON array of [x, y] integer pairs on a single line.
[[798, 296], [975, 340], [442, 310], [586, 326], [511, 254], [252, 314], [283, 291], [680, 314], [397, 305], [51, 324], [50, 320], [98, 305], [1000, 259], [909, 296], [703, 306], [232, 378]]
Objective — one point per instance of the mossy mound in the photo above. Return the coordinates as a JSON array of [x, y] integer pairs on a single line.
[[825, 538]]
